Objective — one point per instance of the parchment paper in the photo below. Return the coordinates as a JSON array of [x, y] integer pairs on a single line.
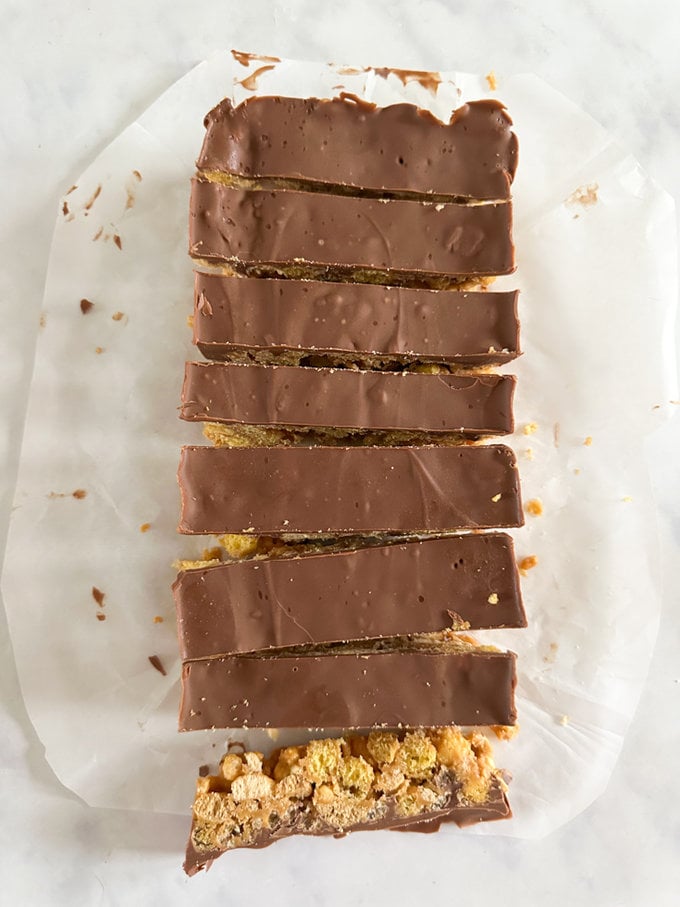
[[595, 241]]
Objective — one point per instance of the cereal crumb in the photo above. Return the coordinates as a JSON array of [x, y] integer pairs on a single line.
[[564, 720], [491, 80], [137, 175], [79, 494], [534, 507], [496, 498], [493, 598], [99, 350], [552, 653], [273, 734], [98, 596], [101, 616], [145, 527], [98, 234], [86, 306], [529, 453], [130, 200], [588, 441], [155, 661], [577, 471], [190, 321], [505, 731], [627, 499], [530, 428], [43, 320], [556, 434], [158, 619], [72, 189], [527, 563], [586, 196], [117, 316]]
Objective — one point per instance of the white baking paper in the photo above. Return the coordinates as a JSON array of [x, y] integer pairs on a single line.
[[595, 241]]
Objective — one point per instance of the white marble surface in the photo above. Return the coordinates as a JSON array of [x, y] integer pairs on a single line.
[[72, 76]]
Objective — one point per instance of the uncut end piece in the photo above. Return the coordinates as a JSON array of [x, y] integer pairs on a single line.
[[339, 237], [307, 322], [313, 143], [406, 781], [262, 405]]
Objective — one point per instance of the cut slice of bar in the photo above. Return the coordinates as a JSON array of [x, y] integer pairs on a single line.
[[310, 234], [407, 781], [345, 490], [290, 321], [342, 404], [420, 587], [346, 144], [394, 683]]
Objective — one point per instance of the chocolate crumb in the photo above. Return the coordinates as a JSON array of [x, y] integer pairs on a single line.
[[98, 234], [130, 200], [203, 770], [93, 198], [72, 189], [117, 316], [65, 209], [117, 240], [556, 434], [101, 616], [79, 494], [157, 664], [98, 596], [86, 306], [43, 320], [250, 82], [203, 305], [145, 527], [137, 175]]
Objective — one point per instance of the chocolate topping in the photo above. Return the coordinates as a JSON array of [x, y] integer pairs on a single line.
[[234, 314], [389, 591], [274, 228], [349, 691], [342, 398], [274, 491], [352, 143]]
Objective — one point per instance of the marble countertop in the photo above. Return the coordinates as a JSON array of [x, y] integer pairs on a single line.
[[73, 75]]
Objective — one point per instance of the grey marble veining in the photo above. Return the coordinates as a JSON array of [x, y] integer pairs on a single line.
[[72, 76]]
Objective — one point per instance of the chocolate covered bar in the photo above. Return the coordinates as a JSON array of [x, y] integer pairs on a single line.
[[265, 405], [346, 144], [346, 490], [290, 321], [355, 686], [310, 234], [407, 781], [415, 588]]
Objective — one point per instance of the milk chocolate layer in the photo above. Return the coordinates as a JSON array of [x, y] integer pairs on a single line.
[[349, 691], [349, 143], [240, 316], [419, 587], [463, 814], [277, 228], [286, 396], [327, 490]]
